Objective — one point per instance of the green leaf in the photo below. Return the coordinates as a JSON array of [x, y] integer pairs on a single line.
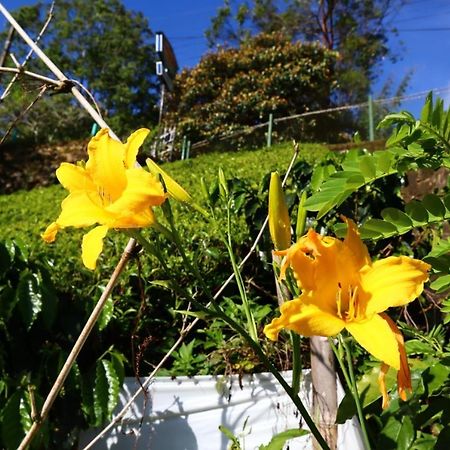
[[12, 431], [367, 166], [381, 227], [277, 442], [398, 218], [398, 135], [435, 377], [434, 206], [441, 284], [369, 392], [400, 117], [416, 211], [25, 412], [425, 115], [114, 385], [106, 314], [5, 260], [406, 434], [100, 394], [29, 297], [384, 161], [235, 445]]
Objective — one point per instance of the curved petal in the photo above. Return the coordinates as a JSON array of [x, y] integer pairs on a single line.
[[142, 192], [393, 281], [106, 164], [75, 178], [307, 320], [132, 145], [382, 384], [354, 243], [49, 235], [79, 210], [376, 336], [302, 265], [404, 375], [92, 246]]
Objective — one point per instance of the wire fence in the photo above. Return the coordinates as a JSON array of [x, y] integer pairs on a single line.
[[295, 126]]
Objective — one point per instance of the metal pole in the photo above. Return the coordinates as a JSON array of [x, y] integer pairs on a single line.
[[161, 103], [269, 131], [188, 148], [183, 147], [371, 132]]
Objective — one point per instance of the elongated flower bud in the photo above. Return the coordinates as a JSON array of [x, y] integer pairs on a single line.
[[279, 222], [173, 188]]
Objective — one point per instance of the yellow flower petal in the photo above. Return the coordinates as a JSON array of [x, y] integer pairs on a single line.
[[142, 191], [173, 188], [353, 242], [92, 246], [82, 210], [393, 281], [132, 145], [49, 235], [307, 320], [376, 336], [106, 164], [75, 178]]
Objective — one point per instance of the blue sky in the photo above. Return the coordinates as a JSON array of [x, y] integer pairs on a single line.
[[423, 41]]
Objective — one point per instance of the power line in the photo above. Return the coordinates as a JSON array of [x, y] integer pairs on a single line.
[[423, 29]]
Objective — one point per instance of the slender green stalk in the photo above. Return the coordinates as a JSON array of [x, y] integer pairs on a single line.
[[218, 312], [296, 362], [251, 325], [339, 358], [355, 393]]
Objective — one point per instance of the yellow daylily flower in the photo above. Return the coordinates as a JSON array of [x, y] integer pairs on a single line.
[[342, 288], [109, 190]]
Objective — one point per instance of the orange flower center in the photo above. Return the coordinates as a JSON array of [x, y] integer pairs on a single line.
[[347, 303]]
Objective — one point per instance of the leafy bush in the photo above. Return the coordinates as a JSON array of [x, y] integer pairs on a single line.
[[235, 88]]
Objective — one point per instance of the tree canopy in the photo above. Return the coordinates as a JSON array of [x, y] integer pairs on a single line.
[[357, 29], [106, 47]]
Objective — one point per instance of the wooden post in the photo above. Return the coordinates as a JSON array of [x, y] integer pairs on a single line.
[[323, 377]]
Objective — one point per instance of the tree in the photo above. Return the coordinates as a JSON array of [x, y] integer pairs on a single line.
[[357, 29], [239, 87], [104, 46]]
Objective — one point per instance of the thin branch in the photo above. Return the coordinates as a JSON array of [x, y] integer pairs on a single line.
[[30, 53], [186, 330], [59, 74], [7, 46], [23, 113], [78, 346], [37, 76]]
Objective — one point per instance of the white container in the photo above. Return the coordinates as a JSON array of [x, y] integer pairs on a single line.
[[185, 413]]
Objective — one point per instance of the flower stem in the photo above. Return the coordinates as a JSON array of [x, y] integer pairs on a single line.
[[219, 313], [354, 389], [296, 362]]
